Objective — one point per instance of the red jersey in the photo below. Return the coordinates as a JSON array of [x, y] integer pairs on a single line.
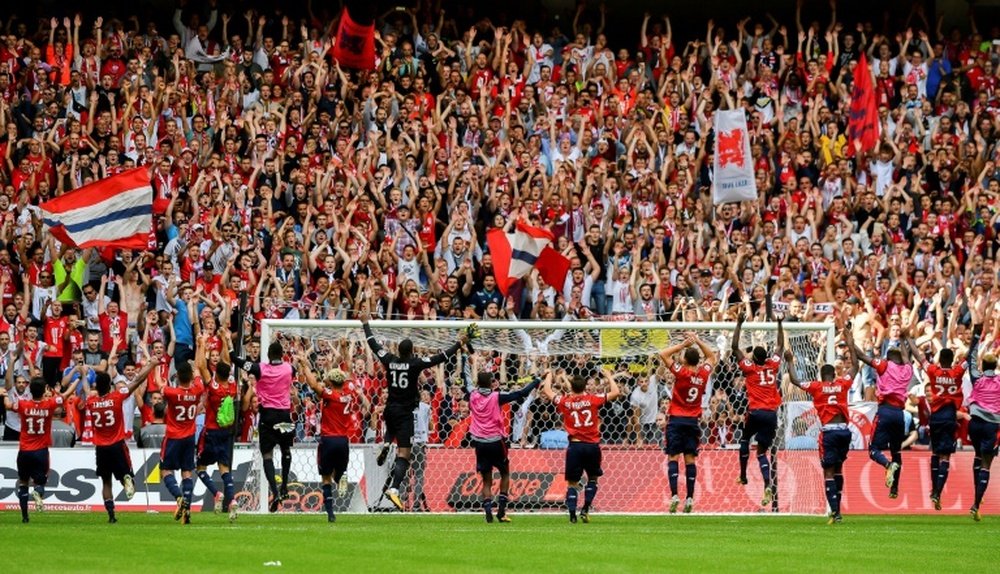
[[580, 416], [337, 418], [36, 422], [107, 417], [762, 387], [216, 394], [945, 386], [182, 408], [830, 398], [689, 387], [55, 334], [113, 328]]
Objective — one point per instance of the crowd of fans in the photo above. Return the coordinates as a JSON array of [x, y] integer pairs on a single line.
[[323, 192]]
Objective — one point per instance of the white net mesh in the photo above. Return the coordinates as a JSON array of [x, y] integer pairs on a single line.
[[442, 476]]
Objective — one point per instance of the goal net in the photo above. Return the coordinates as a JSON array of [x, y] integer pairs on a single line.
[[442, 476]]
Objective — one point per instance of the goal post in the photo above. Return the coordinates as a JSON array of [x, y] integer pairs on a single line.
[[443, 477]]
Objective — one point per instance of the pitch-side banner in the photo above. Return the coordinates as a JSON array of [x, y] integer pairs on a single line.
[[733, 165], [802, 426]]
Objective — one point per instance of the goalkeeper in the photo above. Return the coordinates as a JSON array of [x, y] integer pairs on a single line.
[[489, 434], [402, 373]]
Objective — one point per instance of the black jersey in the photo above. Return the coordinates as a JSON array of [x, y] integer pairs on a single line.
[[403, 374]]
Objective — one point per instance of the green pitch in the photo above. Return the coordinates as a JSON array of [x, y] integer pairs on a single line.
[[63, 543]]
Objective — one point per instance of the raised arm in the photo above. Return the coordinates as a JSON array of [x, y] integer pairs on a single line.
[[790, 361], [547, 391], [735, 349], [711, 357], [780, 346], [667, 355], [519, 394]]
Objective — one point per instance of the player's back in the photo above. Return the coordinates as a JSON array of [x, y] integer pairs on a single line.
[[336, 416], [688, 390], [945, 386], [581, 416], [36, 422], [182, 408], [107, 418], [762, 383], [216, 392], [830, 398], [403, 376]]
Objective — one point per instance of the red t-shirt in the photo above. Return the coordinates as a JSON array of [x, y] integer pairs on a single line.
[[689, 386], [36, 422], [107, 416], [55, 331], [829, 398], [182, 408], [945, 386], [337, 418], [113, 328], [216, 394], [580, 416], [762, 387]]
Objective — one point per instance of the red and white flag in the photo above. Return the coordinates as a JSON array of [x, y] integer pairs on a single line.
[[516, 254], [733, 177], [114, 212]]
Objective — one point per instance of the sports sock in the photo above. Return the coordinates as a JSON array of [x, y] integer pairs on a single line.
[[935, 466], [488, 505], [977, 465], [984, 481], [187, 490], [589, 492], [744, 458], [942, 475], [571, 495], [832, 497], [840, 483], [170, 481], [328, 499], [877, 456], [206, 479], [503, 499], [286, 467], [269, 472], [672, 472], [691, 473], [399, 468], [765, 469], [897, 458], [109, 505], [229, 490], [22, 499]]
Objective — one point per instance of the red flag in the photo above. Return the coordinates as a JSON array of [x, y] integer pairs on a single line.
[[516, 254], [864, 124], [354, 45]]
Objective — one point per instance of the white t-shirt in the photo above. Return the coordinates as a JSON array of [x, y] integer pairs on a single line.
[[647, 402]]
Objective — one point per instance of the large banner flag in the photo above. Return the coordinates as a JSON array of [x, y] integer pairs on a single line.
[[354, 44], [863, 125], [515, 254], [733, 167], [114, 212]]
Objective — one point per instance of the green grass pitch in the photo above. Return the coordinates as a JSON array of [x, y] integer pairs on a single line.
[[389, 543]]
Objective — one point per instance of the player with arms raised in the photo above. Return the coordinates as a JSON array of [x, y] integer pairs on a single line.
[[944, 393], [683, 426], [112, 453], [178, 449], [829, 396], [761, 373], [214, 444], [984, 408], [580, 413], [894, 375], [489, 435], [403, 373], [36, 437]]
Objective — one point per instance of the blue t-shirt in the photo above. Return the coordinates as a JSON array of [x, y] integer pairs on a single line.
[[182, 324]]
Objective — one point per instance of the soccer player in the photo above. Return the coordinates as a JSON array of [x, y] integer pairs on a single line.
[[829, 396], [489, 435], [112, 454], [275, 428], [683, 431], [944, 390], [984, 408], [894, 375], [178, 449], [580, 411], [402, 372], [214, 446], [761, 374], [36, 415], [336, 421]]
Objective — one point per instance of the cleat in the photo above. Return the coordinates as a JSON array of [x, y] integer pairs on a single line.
[[342, 486], [233, 513], [936, 499], [39, 503], [180, 508], [393, 495], [129, 483], [741, 480], [275, 503], [283, 492], [572, 518], [688, 505], [112, 520], [383, 454], [186, 518], [331, 518], [893, 495], [674, 503], [974, 512], [830, 518], [768, 497], [503, 518], [217, 507], [24, 520], [489, 517], [890, 474], [585, 517]]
